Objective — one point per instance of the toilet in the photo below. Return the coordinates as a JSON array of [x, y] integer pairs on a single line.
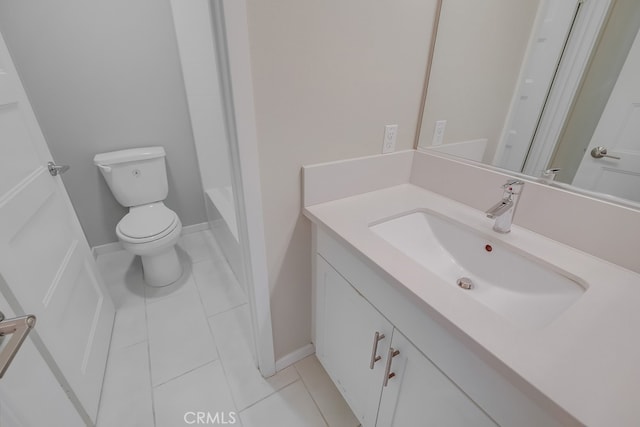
[[138, 180]]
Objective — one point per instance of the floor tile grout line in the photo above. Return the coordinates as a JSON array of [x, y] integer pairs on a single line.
[[227, 310], [153, 400], [226, 377], [212, 256], [271, 394], [207, 316], [204, 311], [304, 384], [224, 369], [213, 259], [129, 345], [214, 262], [215, 341], [186, 372], [213, 337], [224, 263], [106, 367], [216, 355]]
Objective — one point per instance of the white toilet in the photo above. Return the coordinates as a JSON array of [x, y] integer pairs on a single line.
[[138, 180]]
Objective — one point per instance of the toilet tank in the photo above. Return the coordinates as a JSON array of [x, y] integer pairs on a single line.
[[136, 176]]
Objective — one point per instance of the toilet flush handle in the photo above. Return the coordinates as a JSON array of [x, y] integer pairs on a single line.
[[56, 170], [106, 169]]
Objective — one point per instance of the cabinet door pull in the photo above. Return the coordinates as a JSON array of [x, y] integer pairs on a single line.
[[388, 375], [374, 352]]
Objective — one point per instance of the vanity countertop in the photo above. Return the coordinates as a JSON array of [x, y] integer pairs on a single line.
[[586, 360]]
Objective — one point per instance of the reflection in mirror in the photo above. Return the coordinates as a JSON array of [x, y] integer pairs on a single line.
[[529, 86]]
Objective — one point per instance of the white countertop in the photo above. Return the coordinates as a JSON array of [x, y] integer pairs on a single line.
[[587, 360]]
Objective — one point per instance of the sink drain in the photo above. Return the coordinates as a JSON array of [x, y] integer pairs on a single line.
[[465, 283]]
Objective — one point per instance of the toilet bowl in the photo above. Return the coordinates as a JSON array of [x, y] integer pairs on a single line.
[[152, 231], [138, 180]]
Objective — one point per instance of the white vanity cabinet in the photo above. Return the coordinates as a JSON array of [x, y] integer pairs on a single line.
[[346, 328], [359, 348], [435, 377], [420, 394]]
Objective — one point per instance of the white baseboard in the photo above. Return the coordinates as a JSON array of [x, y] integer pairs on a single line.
[[116, 246], [194, 228], [106, 248], [294, 356]]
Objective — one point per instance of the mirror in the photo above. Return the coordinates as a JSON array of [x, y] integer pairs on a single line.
[[543, 88]]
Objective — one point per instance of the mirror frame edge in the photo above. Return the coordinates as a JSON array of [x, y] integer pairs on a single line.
[[432, 48]]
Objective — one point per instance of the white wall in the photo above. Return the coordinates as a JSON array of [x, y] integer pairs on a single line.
[[105, 76], [328, 75], [472, 81]]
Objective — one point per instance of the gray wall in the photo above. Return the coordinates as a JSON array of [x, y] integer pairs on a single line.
[[105, 76]]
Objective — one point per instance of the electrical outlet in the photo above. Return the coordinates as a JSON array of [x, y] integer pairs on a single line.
[[389, 143], [438, 133]]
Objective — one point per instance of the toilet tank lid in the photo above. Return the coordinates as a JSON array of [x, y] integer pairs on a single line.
[[130, 155]]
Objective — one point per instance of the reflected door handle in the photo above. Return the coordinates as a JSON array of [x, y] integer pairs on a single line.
[[600, 152], [56, 170], [18, 328]]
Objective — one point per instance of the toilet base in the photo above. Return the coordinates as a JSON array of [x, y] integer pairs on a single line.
[[161, 269]]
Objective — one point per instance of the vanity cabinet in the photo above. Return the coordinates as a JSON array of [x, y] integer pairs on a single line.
[[349, 332], [381, 375], [364, 322]]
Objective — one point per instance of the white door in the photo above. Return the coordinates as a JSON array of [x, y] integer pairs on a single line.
[[44, 257], [553, 24], [346, 327], [29, 393], [619, 132], [419, 394]]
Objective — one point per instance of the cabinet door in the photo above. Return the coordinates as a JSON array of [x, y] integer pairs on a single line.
[[346, 325], [419, 394]]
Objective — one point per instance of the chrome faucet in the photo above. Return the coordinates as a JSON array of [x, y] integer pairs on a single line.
[[503, 210], [549, 175]]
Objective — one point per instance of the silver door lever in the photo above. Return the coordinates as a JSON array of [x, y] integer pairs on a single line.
[[18, 328], [600, 152], [56, 170]]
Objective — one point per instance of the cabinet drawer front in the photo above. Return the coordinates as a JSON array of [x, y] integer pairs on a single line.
[[345, 330]]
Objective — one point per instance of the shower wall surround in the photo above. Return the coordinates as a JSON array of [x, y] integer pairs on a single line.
[[196, 45]]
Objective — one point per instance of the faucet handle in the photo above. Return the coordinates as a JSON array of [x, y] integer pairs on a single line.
[[511, 183], [508, 187]]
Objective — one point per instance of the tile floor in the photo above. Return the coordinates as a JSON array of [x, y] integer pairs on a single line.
[[189, 350]]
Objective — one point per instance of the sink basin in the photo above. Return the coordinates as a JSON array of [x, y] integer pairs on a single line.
[[527, 291]]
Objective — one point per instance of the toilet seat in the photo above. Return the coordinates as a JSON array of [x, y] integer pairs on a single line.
[[147, 223]]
